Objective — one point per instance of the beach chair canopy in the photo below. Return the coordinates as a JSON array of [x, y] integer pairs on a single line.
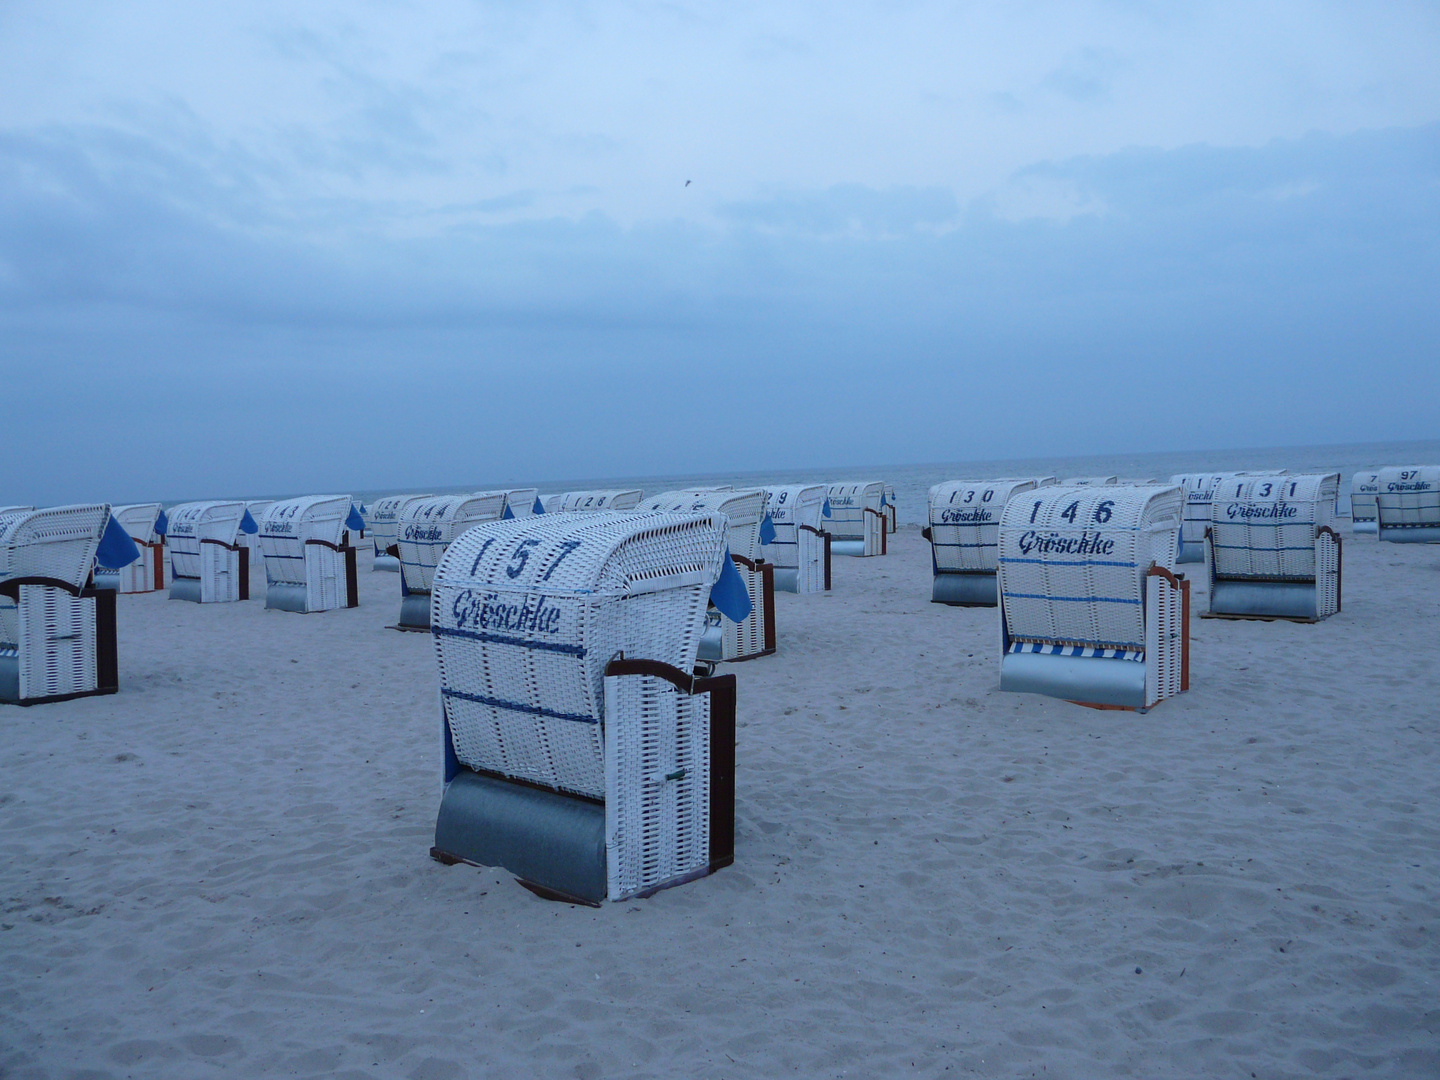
[[290, 524], [964, 517], [384, 519], [138, 520], [849, 500], [520, 502], [573, 501], [744, 510], [1364, 486], [59, 543], [527, 613], [1263, 527], [1407, 501], [1073, 562], [427, 525], [790, 507]]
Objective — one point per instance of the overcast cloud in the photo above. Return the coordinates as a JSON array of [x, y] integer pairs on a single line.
[[406, 244]]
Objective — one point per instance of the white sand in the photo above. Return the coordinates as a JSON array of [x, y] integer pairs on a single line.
[[225, 868]]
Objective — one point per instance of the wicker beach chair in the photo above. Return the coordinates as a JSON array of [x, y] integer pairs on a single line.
[[573, 501], [209, 560], [383, 525], [857, 517], [748, 525], [1091, 608], [147, 573], [581, 753], [800, 549], [1407, 504], [964, 535], [309, 563], [522, 502], [1274, 551], [57, 631], [425, 528], [1364, 487], [1089, 481]]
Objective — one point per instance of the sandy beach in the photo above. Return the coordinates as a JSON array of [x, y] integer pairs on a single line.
[[224, 868]]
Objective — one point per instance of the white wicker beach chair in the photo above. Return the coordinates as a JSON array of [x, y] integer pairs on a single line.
[[309, 563], [1091, 608], [581, 753], [425, 528], [147, 573], [800, 549], [1089, 481], [1199, 489], [522, 502], [209, 562], [964, 535], [57, 632], [1364, 518], [1274, 551], [746, 516], [857, 517], [1407, 504], [573, 501], [383, 525]]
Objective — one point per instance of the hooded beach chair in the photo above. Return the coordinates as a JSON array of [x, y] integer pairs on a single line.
[[425, 528], [573, 501], [1407, 504], [1091, 609], [522, 502], [964, 535], [1199, 488], [800, 548], [748, 529], [383, 525], [857, 517], [147, 573], [1089, 481], [582, 753], [309, 563], [209, 560], [57, 631], [1274, 551], [1364, 487]]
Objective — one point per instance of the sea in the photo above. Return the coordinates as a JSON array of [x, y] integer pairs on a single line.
[[913, 482]]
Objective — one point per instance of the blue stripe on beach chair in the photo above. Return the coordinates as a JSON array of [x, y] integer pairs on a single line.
[[1066, 562], [1072, 599], [507, 639], [516, 706]]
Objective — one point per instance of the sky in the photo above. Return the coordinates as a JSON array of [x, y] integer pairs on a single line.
[[250, 249]]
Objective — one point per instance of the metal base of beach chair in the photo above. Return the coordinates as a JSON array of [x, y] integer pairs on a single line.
[[1292, 600], [965, 590], [1365, 528], [1409, 534], [1191, 552], [1082, 680], [386, 562], [415, 613]]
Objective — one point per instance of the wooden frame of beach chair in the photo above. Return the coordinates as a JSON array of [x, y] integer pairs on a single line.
[[892, 515], [964, 535], [857, 518], [745, 511], [209, 558], [798, 551], [309, 563], [581, 752], [57, 632], [1274, 551], [1091, 609], [147, 573], [1407, 504], [424, 528]]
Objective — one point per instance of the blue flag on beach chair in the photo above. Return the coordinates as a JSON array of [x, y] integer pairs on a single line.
[[354, 521], [162, 524], [729, 593], [767, 531], [247, 524], [116, 548]]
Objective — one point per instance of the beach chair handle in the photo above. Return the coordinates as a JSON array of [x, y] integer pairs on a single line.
[[11, 586]]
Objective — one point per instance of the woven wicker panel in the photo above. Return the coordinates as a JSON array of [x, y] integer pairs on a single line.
[[586, 501], [289, 523], [1073, 560], [790, 507], [657, 770], [1408, 497], [848, 502], [1263, 527], [192, 522], [384, 519], [57, 542], [1165, 637], [56, 642], [1089, 481], [744, 510], [1364, 487], [138, 520], [964, 520], [520, 502], [527, 612], [426, 526]]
